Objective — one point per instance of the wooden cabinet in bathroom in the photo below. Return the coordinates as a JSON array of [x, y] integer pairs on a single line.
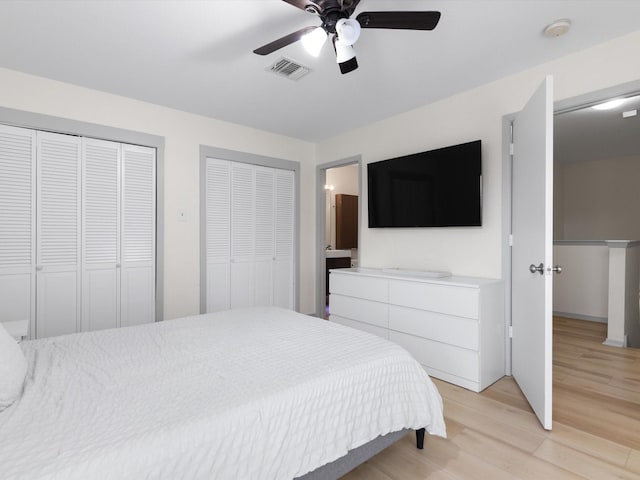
[[346, 221]]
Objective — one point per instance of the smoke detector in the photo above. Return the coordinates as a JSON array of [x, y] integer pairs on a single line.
[[557, 28]]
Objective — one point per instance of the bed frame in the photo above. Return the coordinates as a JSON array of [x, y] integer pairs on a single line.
[[358, 456]]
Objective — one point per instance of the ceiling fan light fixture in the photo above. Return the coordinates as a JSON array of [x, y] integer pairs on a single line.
[[344, 51], [616, 102], [343, 30], [314, 41], [345, 56], [348, 30]]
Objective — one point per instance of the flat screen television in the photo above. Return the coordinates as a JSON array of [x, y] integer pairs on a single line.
[[437, 188]]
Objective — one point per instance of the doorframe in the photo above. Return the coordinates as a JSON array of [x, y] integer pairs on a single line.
[[571, 104], [321, 212]]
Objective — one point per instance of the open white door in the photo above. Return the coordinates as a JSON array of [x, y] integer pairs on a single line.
[[531, 254]]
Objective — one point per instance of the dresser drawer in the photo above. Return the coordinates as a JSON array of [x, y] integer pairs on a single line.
[[366, 311], [440, 356], [365, 327], [369, 288], [452, 300], [459, 331]]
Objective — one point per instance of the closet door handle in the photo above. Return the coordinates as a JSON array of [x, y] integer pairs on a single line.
[[38, 268]]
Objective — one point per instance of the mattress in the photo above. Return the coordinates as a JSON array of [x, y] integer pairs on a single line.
[[261, 393]]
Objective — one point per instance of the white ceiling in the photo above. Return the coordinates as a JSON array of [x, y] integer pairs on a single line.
[[587, 135], [197, 55]]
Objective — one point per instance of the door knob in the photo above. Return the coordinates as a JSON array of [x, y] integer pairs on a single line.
[[557, 269], [539, 268]]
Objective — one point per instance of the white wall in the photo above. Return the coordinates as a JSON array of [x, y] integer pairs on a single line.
[[599, 200], [184, 133], [582, 289], [474, 114]]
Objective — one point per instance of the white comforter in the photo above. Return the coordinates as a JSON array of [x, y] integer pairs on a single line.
[[259, 393]]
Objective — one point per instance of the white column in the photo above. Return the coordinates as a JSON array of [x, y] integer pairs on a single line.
[[623, 310]]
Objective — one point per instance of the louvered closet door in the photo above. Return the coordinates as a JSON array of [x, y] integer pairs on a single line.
[[284, 267], [138, 235], [250, 235], [17, 224], [100, 234], [264, 253], [242, 236], [218, 233], [58, 234]]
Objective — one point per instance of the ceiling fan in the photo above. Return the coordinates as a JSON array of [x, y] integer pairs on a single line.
[[343, 30]]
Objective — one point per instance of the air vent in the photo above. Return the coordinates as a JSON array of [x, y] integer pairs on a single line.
[[288, 68]]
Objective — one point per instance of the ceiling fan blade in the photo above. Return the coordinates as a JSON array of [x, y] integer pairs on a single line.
[[349, 6], [283, 42], [306, 5], [318, 6], [399, 20]]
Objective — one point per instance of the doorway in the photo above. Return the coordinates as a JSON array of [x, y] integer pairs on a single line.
[[338, 207], [573, 104], [596, 178]]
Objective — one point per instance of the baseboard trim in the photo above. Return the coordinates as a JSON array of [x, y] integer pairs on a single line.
[[578, 316], [616, 343]]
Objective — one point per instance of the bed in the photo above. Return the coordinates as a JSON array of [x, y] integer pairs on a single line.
[[261, 393]]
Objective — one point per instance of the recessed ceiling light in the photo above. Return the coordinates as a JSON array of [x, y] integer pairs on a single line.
[[557, 28], [616, 102]]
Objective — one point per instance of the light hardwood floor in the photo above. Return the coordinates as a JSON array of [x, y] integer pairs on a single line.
[[494, 435]]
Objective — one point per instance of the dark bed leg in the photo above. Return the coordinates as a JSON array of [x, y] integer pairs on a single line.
[[420, 438]]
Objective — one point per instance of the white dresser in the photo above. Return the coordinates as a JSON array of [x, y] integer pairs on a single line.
[[454, 326]]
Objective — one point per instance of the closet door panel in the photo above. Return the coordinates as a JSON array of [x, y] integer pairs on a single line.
[[264, 236], [138, 296], [58, 302], [218, 281], [138, 235], [283, 284], [240, 281], [17, 224], [263, 283], [218, 233], [242, 212], [100, 298], [100, 235], [284, 280], [58, 234], [242, 235], [16, 291]]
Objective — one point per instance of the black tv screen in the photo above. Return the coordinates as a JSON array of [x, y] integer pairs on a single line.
[[438, 188]]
